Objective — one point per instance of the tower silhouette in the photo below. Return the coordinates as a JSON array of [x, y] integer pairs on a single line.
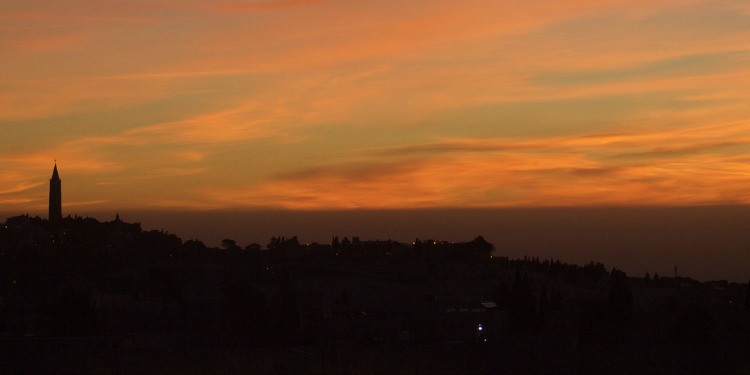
[[55, 196]]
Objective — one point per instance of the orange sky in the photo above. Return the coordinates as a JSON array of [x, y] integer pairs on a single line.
[[305, 104]]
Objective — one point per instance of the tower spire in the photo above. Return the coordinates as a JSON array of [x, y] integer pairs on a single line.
[[55, 196]]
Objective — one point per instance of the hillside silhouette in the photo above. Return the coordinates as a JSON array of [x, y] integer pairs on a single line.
[[84, 296]]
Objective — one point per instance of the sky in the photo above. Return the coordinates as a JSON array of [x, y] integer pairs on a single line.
[[337, 105], [324, 104]]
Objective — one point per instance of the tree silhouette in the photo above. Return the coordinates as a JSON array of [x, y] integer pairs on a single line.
[[246, 313], [604, 321], [253, 247], [229, 244]]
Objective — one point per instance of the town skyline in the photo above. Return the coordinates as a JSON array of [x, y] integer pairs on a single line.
[[708, 243], [124, 297]]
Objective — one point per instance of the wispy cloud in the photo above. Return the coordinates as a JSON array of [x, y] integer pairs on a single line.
[[87, 203], [254, 6], [671, 67], [18, 187], [233, 125], [597, 169]]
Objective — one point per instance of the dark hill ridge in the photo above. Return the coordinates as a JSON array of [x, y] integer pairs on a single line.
[[88, 296], [705, 243]]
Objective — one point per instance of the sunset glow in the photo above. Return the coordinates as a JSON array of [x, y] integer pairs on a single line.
[[316, 104]]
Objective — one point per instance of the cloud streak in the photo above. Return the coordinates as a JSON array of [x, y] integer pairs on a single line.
[[598, 169]]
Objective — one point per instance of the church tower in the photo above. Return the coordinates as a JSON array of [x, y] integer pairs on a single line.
[[55, 197]]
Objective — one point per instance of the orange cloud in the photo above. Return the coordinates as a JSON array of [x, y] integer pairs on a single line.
[[18, 187], [87, 203], [673, 167], [264, 5]]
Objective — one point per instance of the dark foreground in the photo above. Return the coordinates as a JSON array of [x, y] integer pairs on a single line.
[[84, 297], [548, 352]]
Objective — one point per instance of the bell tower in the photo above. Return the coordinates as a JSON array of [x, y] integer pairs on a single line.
[[55, 197]]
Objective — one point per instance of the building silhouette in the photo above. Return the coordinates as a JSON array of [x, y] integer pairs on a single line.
[[55, 196]]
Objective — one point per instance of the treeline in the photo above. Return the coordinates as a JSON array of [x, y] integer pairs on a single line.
[[32, 247], [562, 272]]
